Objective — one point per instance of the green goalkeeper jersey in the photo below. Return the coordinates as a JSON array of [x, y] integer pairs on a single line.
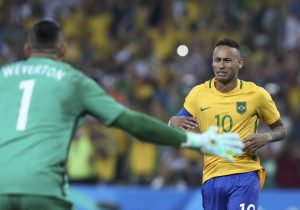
[[41, 102]]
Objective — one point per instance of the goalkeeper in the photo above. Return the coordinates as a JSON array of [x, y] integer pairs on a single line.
[[42, 100]]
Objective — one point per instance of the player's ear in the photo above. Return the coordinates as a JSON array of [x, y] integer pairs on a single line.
[[63, 50], [26, 50], [241, 62]]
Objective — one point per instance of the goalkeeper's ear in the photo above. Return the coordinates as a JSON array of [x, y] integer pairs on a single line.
[[26, 50], [62, 49]]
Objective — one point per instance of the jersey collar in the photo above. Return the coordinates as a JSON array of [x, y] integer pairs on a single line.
[[215, 90]]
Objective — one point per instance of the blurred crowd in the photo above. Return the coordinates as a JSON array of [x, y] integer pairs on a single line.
[[129, 47]]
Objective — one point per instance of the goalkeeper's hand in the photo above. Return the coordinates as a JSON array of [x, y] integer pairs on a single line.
[[222, 145]]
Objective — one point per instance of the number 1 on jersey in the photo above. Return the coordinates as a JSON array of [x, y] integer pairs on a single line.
[[27, 88]]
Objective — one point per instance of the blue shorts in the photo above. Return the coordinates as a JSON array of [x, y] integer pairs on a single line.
[[232, 192]]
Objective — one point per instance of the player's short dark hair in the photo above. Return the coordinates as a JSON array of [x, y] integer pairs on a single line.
[[228, 42], [45, 34]]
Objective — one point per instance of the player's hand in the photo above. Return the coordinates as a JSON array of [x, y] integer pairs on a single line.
[[222, 145], [256, 141], [184, 122]]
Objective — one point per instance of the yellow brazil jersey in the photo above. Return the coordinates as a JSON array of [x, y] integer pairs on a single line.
[[236, 111]]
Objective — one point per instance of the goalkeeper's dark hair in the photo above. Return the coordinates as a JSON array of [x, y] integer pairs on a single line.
[[45, 35], [229, 42]]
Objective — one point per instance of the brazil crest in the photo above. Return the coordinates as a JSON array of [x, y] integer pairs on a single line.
[[241, 107]]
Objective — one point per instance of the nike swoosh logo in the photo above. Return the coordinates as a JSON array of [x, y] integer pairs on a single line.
[[202, 109]]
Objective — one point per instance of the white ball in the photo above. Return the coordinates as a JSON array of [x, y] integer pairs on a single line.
[[182, 50]]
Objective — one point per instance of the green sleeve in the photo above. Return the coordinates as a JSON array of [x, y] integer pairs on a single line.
[[149, 129], [98, 103]]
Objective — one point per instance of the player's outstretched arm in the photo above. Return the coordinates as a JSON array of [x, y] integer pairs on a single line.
[[152, 130]]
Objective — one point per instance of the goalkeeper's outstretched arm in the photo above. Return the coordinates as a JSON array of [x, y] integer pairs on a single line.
[[149, 129], [152, 130]]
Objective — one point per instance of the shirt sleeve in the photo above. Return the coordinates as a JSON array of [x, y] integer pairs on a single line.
[[189, 103], [267, 109], [183, 112], [98, 103]]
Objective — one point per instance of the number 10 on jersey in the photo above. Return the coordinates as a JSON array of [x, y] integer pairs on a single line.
[[222, 121]]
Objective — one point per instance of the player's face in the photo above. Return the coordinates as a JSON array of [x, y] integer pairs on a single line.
[[226, 63]]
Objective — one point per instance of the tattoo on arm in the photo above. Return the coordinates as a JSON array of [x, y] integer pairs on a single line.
[[278, 131]]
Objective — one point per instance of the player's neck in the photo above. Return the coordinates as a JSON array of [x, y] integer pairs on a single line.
[[46, 55], [226, 87]]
